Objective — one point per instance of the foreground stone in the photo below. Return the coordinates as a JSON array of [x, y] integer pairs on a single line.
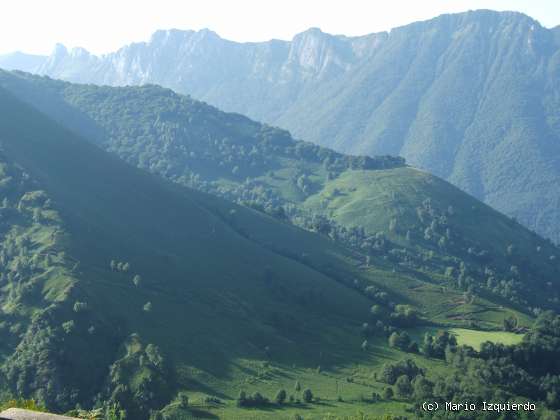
[[20, 414]]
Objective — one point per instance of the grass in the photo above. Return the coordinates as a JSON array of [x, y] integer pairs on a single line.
[[475, 338], [469, 337], [342, 390], [353, 384]]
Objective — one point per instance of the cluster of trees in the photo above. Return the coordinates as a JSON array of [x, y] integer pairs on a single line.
[[407, 380], [120, 266], [507, 273], [47, 365], [124, 267], [139, 382], [24, 209], [254, 400], [436, 346], [180, 139], [258, 400], [527, 371], [401, 340]]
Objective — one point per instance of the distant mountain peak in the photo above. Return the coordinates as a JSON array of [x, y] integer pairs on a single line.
[[165, 35], [59, 50]]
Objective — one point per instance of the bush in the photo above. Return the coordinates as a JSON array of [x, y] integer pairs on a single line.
[[255, 400], [390, 372], [24, 404], [281, 397], [388, 393], [404, 388], [242, 399], [183, 400], [80, 307], [399, 340], [307, 395]]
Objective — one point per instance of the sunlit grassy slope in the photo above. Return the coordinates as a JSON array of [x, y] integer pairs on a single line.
[[372, 198], [468, 337]]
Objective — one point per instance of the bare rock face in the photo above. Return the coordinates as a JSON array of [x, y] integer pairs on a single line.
[[20, 414]]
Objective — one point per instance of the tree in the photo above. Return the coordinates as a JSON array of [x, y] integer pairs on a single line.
[[137, 280], [413, 347], [365, 345], [400, 340], [403, 386], [242, 399], [80, 307], [297, 386], [68, 326], [376, 311], [510, 323], [258, 399], [281, 396], [393, 224], [183, 400], [388, 393], [422, 388], [157, 416], [428, 345], [307, 395]]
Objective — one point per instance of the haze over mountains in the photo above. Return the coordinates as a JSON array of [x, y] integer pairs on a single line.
[[471, 97]]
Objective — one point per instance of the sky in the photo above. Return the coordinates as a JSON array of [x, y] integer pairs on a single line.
[[102, 26]]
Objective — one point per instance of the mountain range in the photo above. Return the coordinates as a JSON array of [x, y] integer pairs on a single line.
[[470, 97], [121, 286], [161, 258]]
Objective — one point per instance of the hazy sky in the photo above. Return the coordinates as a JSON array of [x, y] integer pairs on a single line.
[[105, 25]]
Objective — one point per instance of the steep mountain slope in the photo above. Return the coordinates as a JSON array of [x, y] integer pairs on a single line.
[[211, 289], [376, 206], [470, 97], [119, 286]]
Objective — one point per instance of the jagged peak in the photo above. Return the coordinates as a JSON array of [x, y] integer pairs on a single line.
[[79, 52], [312, 32], [59, 50], [164, 35]]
